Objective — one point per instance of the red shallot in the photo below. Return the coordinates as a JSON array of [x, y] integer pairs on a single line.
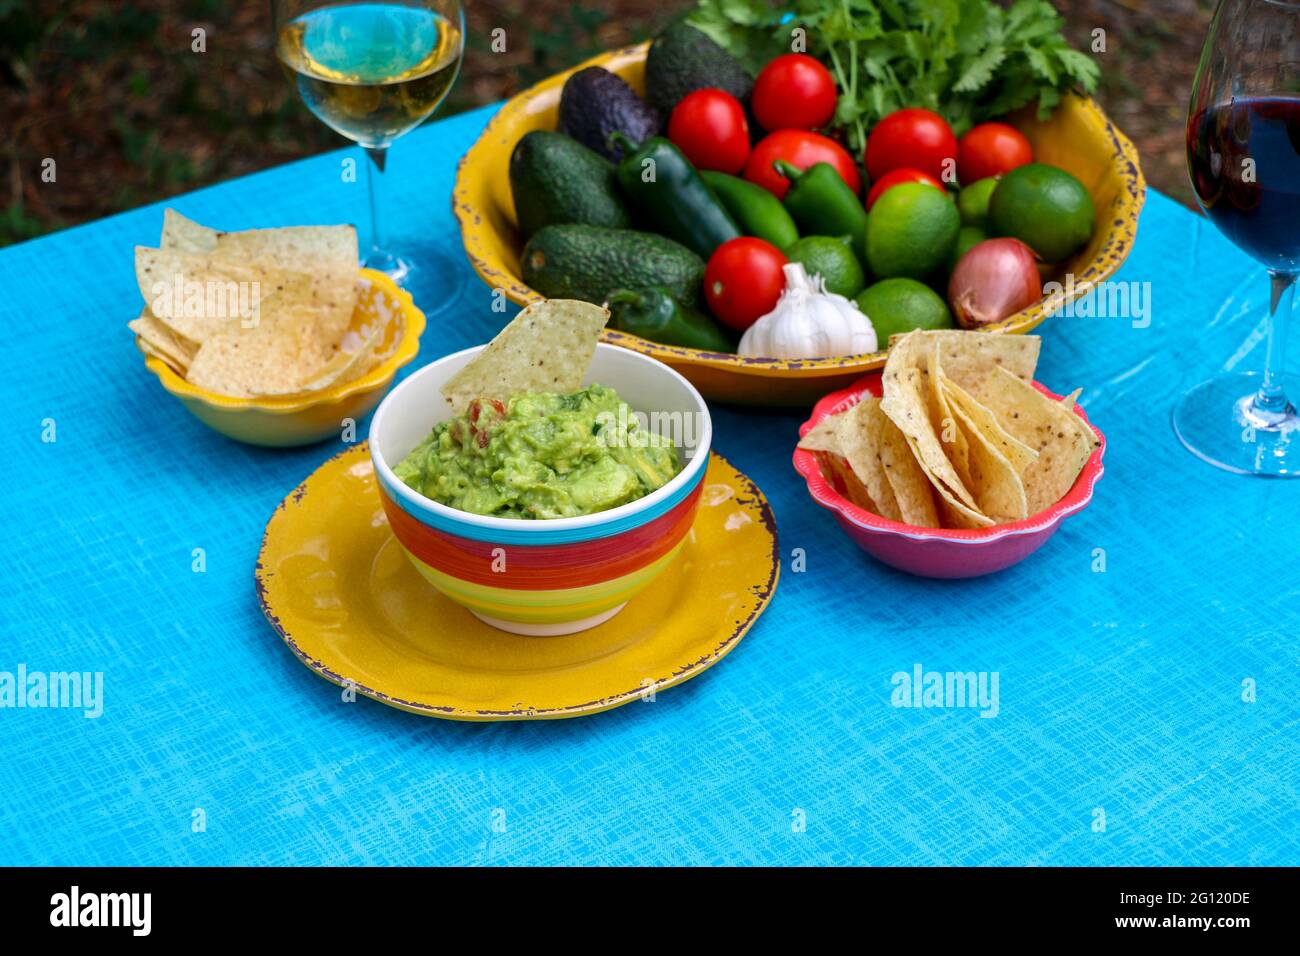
[[995, 279]]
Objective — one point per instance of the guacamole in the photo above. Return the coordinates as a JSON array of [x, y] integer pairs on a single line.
[[541, 456]]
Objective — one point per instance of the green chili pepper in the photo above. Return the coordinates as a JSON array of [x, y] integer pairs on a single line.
[[665, 187], [654, 314], [756, 210], [822, 203]]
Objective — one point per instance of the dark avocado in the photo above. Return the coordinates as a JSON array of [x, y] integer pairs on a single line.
[[596, 102], [555, 179], [682, 60], [590, 262]]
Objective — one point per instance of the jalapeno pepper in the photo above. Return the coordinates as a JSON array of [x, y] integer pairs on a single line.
[[822, 203], [654, 314], [665, 187], [756, 211]]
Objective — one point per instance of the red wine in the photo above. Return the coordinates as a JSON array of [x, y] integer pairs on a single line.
[[1244, 158]]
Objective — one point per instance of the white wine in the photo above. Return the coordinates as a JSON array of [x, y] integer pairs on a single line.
[[371, 71]]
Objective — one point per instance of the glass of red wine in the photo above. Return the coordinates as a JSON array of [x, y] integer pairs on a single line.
[[1243, 153]]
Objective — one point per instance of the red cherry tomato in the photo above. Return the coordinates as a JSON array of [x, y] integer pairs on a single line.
[[896, 176], [743, 281], [991, 149], [794, 91], [709, 126], [801, 149], [912, 139]]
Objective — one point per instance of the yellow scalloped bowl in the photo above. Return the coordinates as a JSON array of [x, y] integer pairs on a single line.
[[313, 416], [1078, 138]]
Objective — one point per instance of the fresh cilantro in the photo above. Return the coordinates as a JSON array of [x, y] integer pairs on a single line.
[[969, 60]]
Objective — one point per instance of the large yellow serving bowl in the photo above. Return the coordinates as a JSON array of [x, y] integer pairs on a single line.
[[1078, 138]]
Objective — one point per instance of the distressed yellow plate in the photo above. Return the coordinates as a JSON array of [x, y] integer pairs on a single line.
[[1078, 138], [338, 589]]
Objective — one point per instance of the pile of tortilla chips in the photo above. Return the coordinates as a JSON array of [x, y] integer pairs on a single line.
[[261, 313], [960, 437]]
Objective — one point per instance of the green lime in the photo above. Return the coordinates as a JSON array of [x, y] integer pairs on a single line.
[[968, 237], [901, 305], [832, 259], [911, 231], [1044, 207], [973, 202]]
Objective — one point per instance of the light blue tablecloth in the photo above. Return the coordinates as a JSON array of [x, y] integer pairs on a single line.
[[1122, 735]]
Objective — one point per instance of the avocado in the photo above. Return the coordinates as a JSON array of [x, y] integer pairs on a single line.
[[596, 102], [682, 60], [589, 262], [555, 179]]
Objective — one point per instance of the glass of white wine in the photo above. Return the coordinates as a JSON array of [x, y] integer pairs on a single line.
[[372, 71]]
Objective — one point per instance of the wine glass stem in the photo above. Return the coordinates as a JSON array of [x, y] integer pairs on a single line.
[[1271, 399], [375, 175]]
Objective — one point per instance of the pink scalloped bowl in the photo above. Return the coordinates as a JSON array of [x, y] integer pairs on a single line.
[[940, 552]]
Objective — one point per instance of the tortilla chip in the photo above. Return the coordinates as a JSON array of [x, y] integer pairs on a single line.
[[198, 296], [177, 363], [953, 438], [173, 349], [995, 482], [906, 478], [545, 348], [297, 248], [905, 404], [354, 358], [185, 235], [248, 362], [859, 436], [294, 248], [952, 513], [824, 436], [968, 355], [838, 472], [1020, 455], [823, 440], [1064, 442]]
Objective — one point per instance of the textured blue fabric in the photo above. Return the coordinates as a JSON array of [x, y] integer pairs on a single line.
[[1121, 692]]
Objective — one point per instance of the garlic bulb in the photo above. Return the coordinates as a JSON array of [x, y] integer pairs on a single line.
[[809, 322]]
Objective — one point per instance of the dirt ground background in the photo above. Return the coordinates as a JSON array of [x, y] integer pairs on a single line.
[[113, 92]]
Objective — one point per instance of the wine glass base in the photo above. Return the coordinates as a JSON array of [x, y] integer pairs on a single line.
[[1218, 422], [434, 280]]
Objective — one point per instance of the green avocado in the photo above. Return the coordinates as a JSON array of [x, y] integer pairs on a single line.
[[590, 262], [682, 60], [555, 179]]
